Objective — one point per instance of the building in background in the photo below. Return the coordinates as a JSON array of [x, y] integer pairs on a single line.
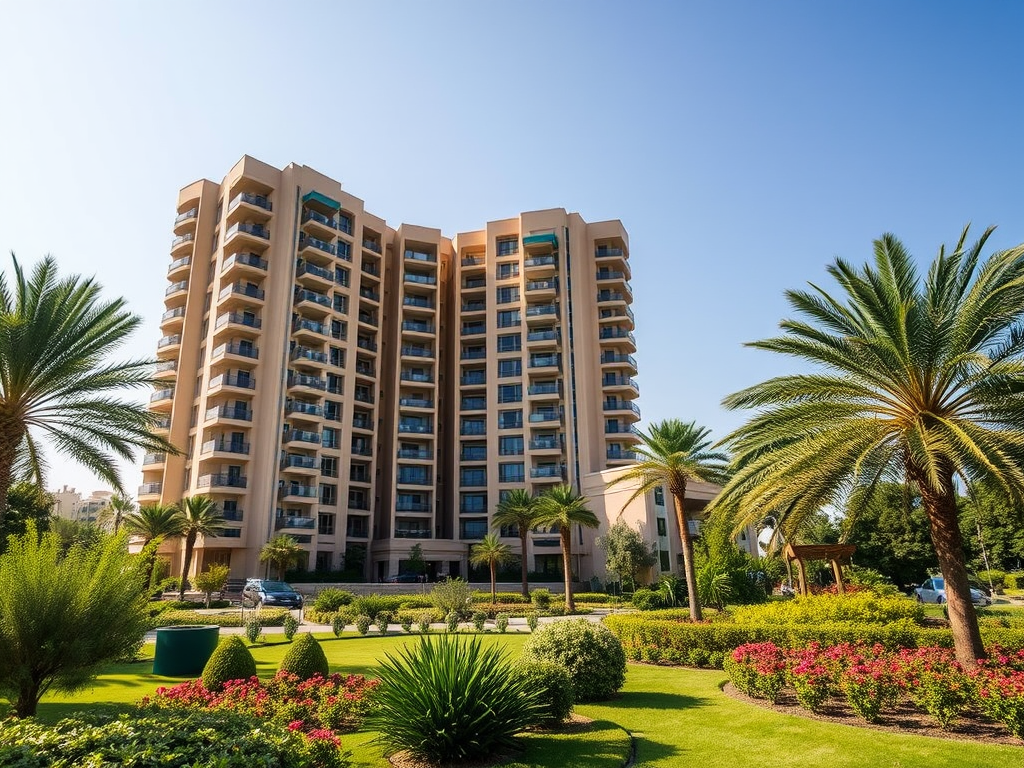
[[364, 388], [69, 504]]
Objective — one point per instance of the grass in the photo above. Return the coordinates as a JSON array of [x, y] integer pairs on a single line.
[[678, 716]]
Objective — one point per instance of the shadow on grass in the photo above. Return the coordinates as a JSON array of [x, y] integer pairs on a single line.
[[654, 700], [51, 712], [602, 745]]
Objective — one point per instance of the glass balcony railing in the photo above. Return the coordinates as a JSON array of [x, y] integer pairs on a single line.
[[542, 416], [417, 301], [417, 352], [234, 412], [473, 454], [260, 201], [170, 314], [422, 378], [166, 365], [233, 380], [549, 361], [169, 341], [305, 241], [474, 306], [476, 282], [154, 458], [620, 381], [368, 344], [615, 357], [542, 285], [543, 336], [181, 285], [545, 444], [412, 506], [416, 428], [412, 277], [161, 394], [190, 214], [304, 353], [248, 259], [539, 310], [327, 221], [540, 261], [235, 348], [309, 409], [221, 480], [179, 263], [317, 298], [602, 252], [414, 479], [372, 245], [256, 230], [419, 256], [412, 533], [474, 353], [474, 378], [303, 380], [473, 404], [301, 436], [412, 325], [149, 489], [305, 268], [294, 521], [238, 318], [415, 402], [415, 453], [474, 330], [366, 293], [610, 296], [619, 454], [621, 405], [181, 239], [225, 446], [473, 428], [302, 324], [241, 289], [546, 472]]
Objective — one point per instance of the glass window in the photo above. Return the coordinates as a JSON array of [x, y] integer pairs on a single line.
[[510, 446], [508, 294], [473, 529], [510, 342], [325, 524], [473, 502], [510, 419], [511, 472], [510, 318], [508, 368], [662, 527], [330, 438], [469, 478], [508, 245], [510, 393], [659, 496]]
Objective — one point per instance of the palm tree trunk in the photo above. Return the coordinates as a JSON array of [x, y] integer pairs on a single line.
[[687, 543], [494, 581], [940, 507], [186, 562], [526, 580], [570, 603], [10, 438]]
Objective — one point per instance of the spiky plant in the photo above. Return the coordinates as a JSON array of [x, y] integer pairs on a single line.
[[446, 700]]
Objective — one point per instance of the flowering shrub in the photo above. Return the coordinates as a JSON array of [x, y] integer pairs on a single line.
[[871, 684], [1000, 682], [328, 703], [811, 676], [758, 669], [937, 683]]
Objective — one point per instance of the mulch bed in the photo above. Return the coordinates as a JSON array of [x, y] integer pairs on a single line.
[[906, 718]]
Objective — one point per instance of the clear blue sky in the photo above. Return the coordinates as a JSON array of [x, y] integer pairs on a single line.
[[743, 144]]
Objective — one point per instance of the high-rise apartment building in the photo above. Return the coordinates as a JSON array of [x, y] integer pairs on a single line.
[[365, 389]]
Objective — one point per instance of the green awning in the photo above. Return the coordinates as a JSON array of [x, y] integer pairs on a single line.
[[541, 240], [316, 197]]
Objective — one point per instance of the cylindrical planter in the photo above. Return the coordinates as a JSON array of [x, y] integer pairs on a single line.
[[184, 651]]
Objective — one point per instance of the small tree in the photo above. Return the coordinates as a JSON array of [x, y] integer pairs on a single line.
[[281, 552], [562, 507], [27, 504], [518, 510], [212, 580], [62, 616], [491, 552], [199, 515], [416, 564], [627, 555]]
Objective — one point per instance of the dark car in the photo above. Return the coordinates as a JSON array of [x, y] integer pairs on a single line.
[[272, 594], [404, 578]]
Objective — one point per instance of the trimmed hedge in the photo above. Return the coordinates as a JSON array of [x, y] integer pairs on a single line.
[[305, 659], [861, 607], [1014, 580], [661, 641], [230, 661], [269, 617]]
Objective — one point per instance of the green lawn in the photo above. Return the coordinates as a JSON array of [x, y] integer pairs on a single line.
[[680, 717]]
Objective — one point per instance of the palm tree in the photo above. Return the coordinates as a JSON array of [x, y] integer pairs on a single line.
[[200, 515], [919, 381], [55, 337], [518, 508], [672, 453], [114, 513], [491, 552], [561, 506], [282, 551], [154, 522]]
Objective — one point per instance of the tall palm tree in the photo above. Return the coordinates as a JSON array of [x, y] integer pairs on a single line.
[[672, 453], [491, 552], [55, 337], [200, 515], [282, 551], [518, 508], [113, 514], [154, 522], [918, 380], [561, 506]]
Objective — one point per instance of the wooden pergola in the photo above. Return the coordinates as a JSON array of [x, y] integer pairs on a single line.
[[837, 554]]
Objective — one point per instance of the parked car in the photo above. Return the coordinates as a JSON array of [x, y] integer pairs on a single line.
[[404, 578], [934, 591], [272, 594]]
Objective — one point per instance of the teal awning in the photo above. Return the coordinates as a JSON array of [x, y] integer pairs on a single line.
[[541, 240], [316, 197]]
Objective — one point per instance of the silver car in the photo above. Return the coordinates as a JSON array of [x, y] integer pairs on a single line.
[[934, 591]]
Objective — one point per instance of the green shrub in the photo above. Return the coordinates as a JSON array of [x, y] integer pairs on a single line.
[[501, 598], [194, 605], [305, 659], [291, 626], [338, 624], [414, 603], [532, 621], [541, 599], [407, 624], [168, 737], [451, 622], [863, 607], [591, 597], [268, 617], [230, 660], [446, 700], [554, 686], [501, 622], [479, 619], [371, 605], [996, 578], [382, 620], [647, 600], [592, 655], [330, 600], [423, 622], [253, 630], [1014, 580], [452, 595], [362, 623]]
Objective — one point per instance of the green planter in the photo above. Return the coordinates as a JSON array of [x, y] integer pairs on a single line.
[[184, 651]]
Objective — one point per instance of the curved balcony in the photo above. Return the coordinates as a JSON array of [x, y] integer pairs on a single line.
[[166, 369], [175, 292], [154, 461], [299, 438], [237, 324], [304, 356], [249, 204], [242, 352], [618, 360], [172, 319], [612, 298], [254, 235], [418, 279], [186, 220], [611, 257], [313, 276], [625, 408], [616, 338], [301, 382], [150, 490], [168, 344], [179, 268], [312, 302], [299, 411], [231, 382], [240, 292], [160, 425], [295, 523], [182, 244], [316, 250], [319, 225], [245, 264], [161, 400], [621, 384]]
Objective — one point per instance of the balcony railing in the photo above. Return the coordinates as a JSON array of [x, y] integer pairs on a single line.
[[242, 289], [172, 313], [368, 344], [542, 416], [615, 357], [298, 489], [235, 348], [414, 479], [412, 325], [545, 444], [543, 336], [190, 214], [539, 261], [422, 378], [233, 380], [168, 341], [412, 533], [293, 521], [475, 353], [166, 365], [249, 259], [327, 221], [415, 402], [302, 380], [474, 282], [372, 245], [305, 268], [474, 306], [363, 395], [302, 324], [154, 458], [474, 378], [362, 450], [412, 277], [301, 436], [255, 230], [415, 428], [412, 506], [474, 330], [232, 515], [229, 412], [304, 353], [542, 285], [161, 394], [538, 310], [418, 256], [237, 318], [147, 489], [305, 241], [473, 454], [473, 428], [180, 239], [473, 404], [179, 263], [610, 296], [181, 285], [415, 453], [417, 301], [366, 293], [358, 423], [621, 405], [260, 201], [225, 446], [221, 480], [546, 472], [616, 333], [620, 381], [550, 361], [309, 409], [614, 454]]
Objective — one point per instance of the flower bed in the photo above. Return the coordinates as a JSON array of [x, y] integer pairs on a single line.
[[873, 680]]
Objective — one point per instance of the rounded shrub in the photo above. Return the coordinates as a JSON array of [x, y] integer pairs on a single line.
[[382, 620], [338, 623], [448, 700], [541, 599], [291, 626], [305, 659], [362, 623], [590, 652], [479, 619], [231, 660], [501, 622], [330, 600], [647, 600], [554, 687]]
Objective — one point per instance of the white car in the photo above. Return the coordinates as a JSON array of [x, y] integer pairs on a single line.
[[934, 591]]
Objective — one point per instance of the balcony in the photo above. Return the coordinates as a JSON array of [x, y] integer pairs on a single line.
[[471, 283], [369, 295], [413, 506], [295, 522], [362, 450], [616, 334], [545, 361], [250, 200], [365, 369], [605, 252], [620, 383], [544, 263], [546, 444], [235, 349], [180, 287], [415, 402], [254, 233], [411, 255], [616, 358], [621, 405], [415, 428], [232, 381], [414, 479], [310, 274], [300, 409], [229, 413], [542, 288], [244, 322], [152, 459], [232, 515], [370, 268], [474, 353], [621, 428], [372, 245], [365, 424], [420, 454], [232, 447], [412, 533], [302, 381], [550, 473], [541, 417], [300, 436], [413, 277], [468, 307], [317, 221], [611, 297], [173, 340], [305, 356], [473, 378], [171, 317], [474, 329], [303, 327], [244, 264], [368, 318], [305, 299], [241, 290], [221, 480], [315, 248], [543, 338], [617, 454], [188, 218], [409, 351], [150, 489], [363, 395], [473, 404], [417, 302], [161, 398], [179, 267], [161, 424], [355, 530], [419, 378], [473, 261], [542, 311], [473, 454], [414, 326], [368, 344], [165, 370], [473, 428], [182, 243]]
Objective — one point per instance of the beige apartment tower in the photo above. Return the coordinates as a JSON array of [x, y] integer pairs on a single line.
[[365, 389]]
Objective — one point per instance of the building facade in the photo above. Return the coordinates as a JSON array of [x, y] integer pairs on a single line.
[[365, 389], [69, 504]]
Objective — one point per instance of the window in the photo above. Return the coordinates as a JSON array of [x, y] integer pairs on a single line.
[[510, 342], [472, 502], [358, 473], [324, 560], [508, 245], [344, 249], [335, 383], [510, 393], [332, 410], [341, 303], [510, 318], [413, 475], [357, 500], [473, 427], [510, 446], [506, 271], [663, 557], [471, 478], [659, 496], [339, 330], [325, 526], [330, 438], [508, 294], [510, 419], [507, 368], [329, 466], [473, 529], [337, 357], [328, 494], [509, 531], [662, 527]]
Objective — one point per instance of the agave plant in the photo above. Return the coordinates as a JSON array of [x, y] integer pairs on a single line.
[[446, 700]]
